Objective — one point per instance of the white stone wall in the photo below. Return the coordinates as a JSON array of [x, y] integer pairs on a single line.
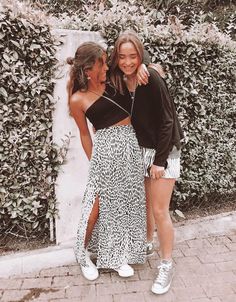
[[73, 174]]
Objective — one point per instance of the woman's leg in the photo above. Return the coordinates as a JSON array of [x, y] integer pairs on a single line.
[[161, 191], [92, 221], [88, 268], [161, 195], [150, 217]]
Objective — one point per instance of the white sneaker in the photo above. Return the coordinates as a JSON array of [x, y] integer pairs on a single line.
[[164, 277], [89, 271], [125, 271]]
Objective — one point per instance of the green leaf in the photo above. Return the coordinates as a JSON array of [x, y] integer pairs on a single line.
[[180, 214], [3, 92]]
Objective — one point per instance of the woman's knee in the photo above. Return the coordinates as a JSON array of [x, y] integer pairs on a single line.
[[160, 213]]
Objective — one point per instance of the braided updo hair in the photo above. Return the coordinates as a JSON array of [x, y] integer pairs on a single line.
[[85, 57]]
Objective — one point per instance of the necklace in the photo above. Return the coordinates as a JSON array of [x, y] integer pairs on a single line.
[[132, 95], [132, 86]]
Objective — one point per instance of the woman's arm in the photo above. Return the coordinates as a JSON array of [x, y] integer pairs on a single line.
[[80, 119]]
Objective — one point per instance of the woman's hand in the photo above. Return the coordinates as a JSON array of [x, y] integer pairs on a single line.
[[156, 172], [142, 75]]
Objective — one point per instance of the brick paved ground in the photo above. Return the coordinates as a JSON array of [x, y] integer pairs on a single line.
[[205, 271]]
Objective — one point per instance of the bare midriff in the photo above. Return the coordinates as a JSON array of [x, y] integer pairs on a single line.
[[124, 122]]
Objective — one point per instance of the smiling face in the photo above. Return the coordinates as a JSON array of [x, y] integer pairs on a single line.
[[128, 59], [98, 72]]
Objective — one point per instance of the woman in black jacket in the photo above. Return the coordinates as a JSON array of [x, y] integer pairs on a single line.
[[158, 131]]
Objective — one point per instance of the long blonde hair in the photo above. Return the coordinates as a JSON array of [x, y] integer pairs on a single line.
[[116, 75]]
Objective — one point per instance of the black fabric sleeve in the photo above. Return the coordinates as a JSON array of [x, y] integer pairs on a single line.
[[162, 104]]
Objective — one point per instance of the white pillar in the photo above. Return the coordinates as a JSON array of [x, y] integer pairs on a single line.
[[72, 175]]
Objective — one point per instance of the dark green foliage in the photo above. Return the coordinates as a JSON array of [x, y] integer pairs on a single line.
[[29, 160]]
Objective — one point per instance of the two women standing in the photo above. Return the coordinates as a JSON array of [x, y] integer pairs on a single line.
[[113, 220]]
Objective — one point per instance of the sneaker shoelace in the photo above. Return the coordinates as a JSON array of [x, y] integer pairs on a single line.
[[162, 274]]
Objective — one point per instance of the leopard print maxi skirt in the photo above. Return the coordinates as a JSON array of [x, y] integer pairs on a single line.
[[116, 178]]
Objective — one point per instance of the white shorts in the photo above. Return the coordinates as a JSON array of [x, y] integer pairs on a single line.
[[173, 162]]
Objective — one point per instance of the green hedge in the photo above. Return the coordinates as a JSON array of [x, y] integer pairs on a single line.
[[29, 160]]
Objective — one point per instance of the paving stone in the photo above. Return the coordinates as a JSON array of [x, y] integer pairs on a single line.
[[192, 251], [105, 278], [231, 246], [218, 240], [232, 238], [233, 285], [109, 289], [10, 283], [46, 294], [116, 278], [223, 277], [218, 257], [138, 286], [144, 266], [177, 282], [194, 279], [177, 253], [80, 291], [28, 275], [216, 249], [229, 298], [56, 271], [14, 295], [151, 297], [147, 274], [67, 300], [216, 290], [216, 278], [198, 243], [189, 270], [37, 283], [108, 298], [201, 300], [153, 263], [192, 260], [134, 297], [155, 256], [67, 281], [226, 265], [189, 292], [181, 245], [206, 300]]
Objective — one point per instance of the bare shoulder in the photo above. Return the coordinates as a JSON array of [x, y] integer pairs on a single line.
[[77, 99]]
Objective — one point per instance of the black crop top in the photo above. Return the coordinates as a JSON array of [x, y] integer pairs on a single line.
[[103, 113]]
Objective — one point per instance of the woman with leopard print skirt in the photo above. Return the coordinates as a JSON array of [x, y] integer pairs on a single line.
[[113, 220]]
